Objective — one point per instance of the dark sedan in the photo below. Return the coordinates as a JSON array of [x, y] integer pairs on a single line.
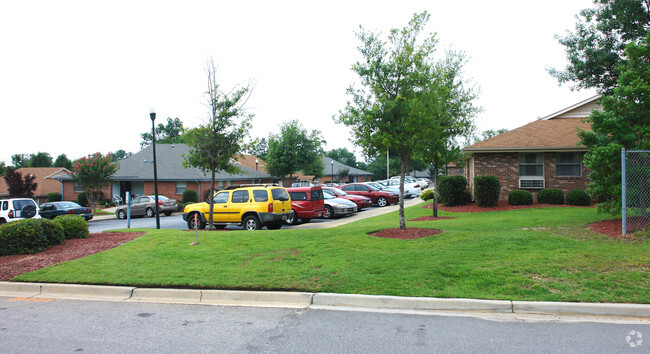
[[51, 210]]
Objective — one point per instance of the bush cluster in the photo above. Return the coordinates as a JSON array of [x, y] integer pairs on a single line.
[[427, 195], [453, 191], [73, 226], [190, 196], [578, 197], [486, 190], [520, 197], [29, 236], [54, 197], [550, 196]]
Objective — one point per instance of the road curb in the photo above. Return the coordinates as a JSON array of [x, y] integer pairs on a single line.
[[257, 298], [582, 308], [85, 292], [180, 296], [9, 289]]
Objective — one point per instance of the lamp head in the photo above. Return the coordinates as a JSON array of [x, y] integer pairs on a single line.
[[152, 115]]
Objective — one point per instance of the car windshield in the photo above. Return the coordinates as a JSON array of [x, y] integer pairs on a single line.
[[339, 192], [68, 205], [328, 196], [20, 203], [160, 197], [373, 187]]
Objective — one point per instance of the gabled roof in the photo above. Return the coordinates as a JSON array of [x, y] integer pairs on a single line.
[[45, 183], [327, 168], [555, 132]]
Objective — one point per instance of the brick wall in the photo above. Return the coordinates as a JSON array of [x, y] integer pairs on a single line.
[[70, 195]]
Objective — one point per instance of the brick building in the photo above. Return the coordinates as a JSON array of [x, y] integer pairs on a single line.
[[45, 180], [545, 153]]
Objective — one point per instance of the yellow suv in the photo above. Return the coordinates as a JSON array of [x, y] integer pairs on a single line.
[[251, 206]]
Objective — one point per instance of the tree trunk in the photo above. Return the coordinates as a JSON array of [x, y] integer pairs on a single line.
[[211, 198], [435, 187], [403, 168]]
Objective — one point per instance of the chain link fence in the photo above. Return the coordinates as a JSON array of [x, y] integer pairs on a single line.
[[635, 167]]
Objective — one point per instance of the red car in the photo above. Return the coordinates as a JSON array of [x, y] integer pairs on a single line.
[[381, 198], [360, 201], [306, 203]]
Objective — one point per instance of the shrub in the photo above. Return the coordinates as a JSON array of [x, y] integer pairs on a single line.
[[190, 196], [81, 199], [54, 197], [29, 236], [550, 196], [453, 190], [578, 197], [73, 226], [520, 197], [486, 190], [427, 195]]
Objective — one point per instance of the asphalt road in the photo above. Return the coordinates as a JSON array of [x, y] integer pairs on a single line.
[[29, 326]]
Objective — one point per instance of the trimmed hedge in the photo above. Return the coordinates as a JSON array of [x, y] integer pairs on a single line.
[[486, 190], [578, 197], [190, 196], [453, 190], [520, 197], [29, 236], [54, 197], [73, 226], [550, 196], [427, 195]]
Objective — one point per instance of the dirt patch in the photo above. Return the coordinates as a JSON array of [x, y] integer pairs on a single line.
[[432, 218], [13, 266], [407, 234], [502, 206]]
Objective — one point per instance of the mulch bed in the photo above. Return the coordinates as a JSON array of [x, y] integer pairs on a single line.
[[432, 218], [502, 206], [13, 266], [407, 234]]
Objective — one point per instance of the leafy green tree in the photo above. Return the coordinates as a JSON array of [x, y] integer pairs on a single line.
[[624, 122], [258, 148], [122, 154], [377, 166], [295, 149], [18, 161], [170, 133], [93, 173], [41, 159], [20, 186], [213, 144], [403, 95], [63, 161], [595, 49], [343, 156], [3, 168]]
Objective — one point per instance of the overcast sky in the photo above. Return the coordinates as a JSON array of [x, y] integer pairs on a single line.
[[79, 77]]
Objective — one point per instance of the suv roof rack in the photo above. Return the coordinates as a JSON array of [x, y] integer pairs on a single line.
[[235, 186]]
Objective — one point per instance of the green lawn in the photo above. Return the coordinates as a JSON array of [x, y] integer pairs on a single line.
[[528, 254]]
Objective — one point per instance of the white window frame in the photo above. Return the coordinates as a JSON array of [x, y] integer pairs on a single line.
[[527, 181], [180, 186]]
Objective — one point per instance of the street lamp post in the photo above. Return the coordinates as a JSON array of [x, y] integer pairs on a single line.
[[256, 162], [152, 115], [332, 163]]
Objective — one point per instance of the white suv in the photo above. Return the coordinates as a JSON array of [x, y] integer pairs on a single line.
[[18, 209]]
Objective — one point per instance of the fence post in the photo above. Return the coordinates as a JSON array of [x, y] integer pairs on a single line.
[[623, 192]]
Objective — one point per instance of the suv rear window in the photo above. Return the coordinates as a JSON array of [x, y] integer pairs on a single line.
[[19, 204], [316, 194], [298, 195], [260, 195], [279, 194]]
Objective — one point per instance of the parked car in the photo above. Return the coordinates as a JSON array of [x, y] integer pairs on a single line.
[[361, 201], [18, 209], [385, 188], [338, 207], [410, 188], [425, 182], [251, 206], [377, 196], [306, 203], [51, 210], [146, 206]]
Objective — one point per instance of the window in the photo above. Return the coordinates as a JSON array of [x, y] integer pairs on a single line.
[[568, 164], [316, 194], [531, 170], [5, 205], [221, 197], [280, 194], [77, 188], [181, 187], [260, 195], [240, 196], [298, 195]]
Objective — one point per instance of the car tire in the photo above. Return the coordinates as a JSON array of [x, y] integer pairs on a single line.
[[274, 226], [169, 213], [121, 214], [329, 212], [149, 213], [293, 218], [382, 201], [190, 222], [251, 222]]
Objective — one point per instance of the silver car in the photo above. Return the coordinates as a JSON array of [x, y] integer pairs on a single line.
[[146, 206], [337, 206]]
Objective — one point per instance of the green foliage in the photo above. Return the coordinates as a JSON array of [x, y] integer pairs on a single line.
[[41, 159], [81, 199], [19, 186], [93, 173], [293, 150], [170, 133], [486, 190], [258, 147], [520, 197], [453, 190], [29, 236], [550, 196], [190, 196], [427, 195], [343, 156], [3, 168], [73, 226], [54, 197], [63, 161], [578, 197], [18, 161]]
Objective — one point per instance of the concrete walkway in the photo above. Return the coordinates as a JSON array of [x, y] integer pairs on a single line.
[[349, 302]]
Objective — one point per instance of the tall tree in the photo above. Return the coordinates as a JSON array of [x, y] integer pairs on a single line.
[[3, 168], [595, 49], [215, 143], [295, 149], [624, 122], [63, 161], [343, 156], [403, 94], [18, 161], [258, 148], [121, 154], [41, 159], [92, 173], [20, 186], [170, 133]]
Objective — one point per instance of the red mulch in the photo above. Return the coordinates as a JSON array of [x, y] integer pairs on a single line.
[[407, 234], [614, 227], [13, 266], [473, 208], [431, 218]]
